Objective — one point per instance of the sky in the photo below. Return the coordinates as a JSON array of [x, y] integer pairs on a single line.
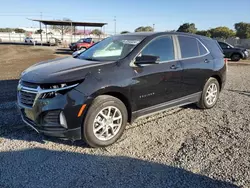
[[130, 14]]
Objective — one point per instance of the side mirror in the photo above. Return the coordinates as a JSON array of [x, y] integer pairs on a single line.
[[147, 60], [76, 53]]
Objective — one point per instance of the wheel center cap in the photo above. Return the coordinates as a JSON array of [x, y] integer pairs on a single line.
[[109, 121]]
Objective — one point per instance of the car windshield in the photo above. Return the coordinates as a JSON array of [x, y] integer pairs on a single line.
[[112, 48]]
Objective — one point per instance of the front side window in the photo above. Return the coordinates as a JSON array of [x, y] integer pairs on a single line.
[[223, 45], [87, 40], [162, 47], [112, 48]]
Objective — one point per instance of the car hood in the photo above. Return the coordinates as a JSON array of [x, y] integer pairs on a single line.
[[59, 70], [240, 49]]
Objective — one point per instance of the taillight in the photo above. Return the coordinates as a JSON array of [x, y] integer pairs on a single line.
[[225, 60]]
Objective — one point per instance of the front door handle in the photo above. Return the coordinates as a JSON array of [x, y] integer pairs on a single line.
[[174, 67], [206, 61]]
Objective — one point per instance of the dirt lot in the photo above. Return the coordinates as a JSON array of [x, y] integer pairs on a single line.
[[183, 147]]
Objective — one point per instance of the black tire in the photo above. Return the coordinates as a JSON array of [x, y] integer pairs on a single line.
[[203, 103], [98, 104], [236, 57]]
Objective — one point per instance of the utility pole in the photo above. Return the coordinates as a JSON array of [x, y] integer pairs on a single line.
[[41, 37], [115, 25]]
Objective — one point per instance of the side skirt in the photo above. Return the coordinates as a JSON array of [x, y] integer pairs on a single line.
[[164, 106]]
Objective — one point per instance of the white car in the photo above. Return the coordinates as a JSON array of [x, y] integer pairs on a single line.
[[29, 40]]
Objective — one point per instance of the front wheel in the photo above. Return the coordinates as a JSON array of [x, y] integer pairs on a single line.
[[210, 94], [235, 57], [105, 121]]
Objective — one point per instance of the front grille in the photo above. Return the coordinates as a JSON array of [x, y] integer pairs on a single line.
[[29, 85], [27, 98]]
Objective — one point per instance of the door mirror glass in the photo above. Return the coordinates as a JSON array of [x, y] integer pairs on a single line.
[[76, 53], [147, 60]]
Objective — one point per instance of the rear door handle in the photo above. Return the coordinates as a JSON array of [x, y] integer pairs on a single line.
[[206, 61]]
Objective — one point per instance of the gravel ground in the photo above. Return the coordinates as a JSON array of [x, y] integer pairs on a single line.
[[183, 147]]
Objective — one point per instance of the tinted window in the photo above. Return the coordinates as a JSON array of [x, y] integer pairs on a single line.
[[189, 46], [162, 47], [223, 45], [213, 47], [87, 40], [202, 49]]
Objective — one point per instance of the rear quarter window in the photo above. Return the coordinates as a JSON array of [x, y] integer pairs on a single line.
[[213, 47]]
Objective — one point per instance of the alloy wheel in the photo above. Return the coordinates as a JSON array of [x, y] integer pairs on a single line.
[[211, 94], [107, 123]]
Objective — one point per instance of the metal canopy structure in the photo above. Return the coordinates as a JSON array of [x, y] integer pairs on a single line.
[[70, 23], [67, 23]]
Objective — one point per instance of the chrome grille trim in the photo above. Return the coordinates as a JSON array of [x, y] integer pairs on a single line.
[[38, 91]]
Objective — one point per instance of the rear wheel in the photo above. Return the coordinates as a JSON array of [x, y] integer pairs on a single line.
[[105, 121], [235, 57], [210, 94]]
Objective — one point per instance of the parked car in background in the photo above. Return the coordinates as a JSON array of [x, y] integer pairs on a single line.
[[94, 94], [54, 41], [30, 40], [78, 52], [233, 53], [82, 44]]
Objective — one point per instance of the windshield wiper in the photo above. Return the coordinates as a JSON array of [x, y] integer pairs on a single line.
[[91, 59]]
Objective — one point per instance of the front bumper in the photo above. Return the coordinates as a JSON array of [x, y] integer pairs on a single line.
[[246, 55], [44, 115]]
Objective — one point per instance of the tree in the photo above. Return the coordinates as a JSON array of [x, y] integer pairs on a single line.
[[17, 30], [7, 30], [97, 32], [124, 32], [39, 31], [62, 29], [204, 33], [222, 32], [144, 29], [187, 28], [242, 30]]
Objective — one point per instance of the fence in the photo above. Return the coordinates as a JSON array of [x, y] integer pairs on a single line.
[[243, 43], [19, 37]]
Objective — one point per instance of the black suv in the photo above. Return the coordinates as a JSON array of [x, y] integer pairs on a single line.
[[235, 54], [93, 95]]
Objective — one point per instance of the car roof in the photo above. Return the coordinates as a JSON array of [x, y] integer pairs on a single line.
[[146, 34]]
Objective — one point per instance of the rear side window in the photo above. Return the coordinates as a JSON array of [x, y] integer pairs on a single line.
[[191, 47], [162, 47]]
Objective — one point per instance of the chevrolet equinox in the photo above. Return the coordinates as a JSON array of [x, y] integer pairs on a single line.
[[92, 95]]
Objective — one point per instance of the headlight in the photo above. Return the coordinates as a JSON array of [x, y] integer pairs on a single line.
[[52, 90]]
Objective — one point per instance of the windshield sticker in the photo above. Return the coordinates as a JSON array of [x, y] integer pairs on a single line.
[[134, 42]]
